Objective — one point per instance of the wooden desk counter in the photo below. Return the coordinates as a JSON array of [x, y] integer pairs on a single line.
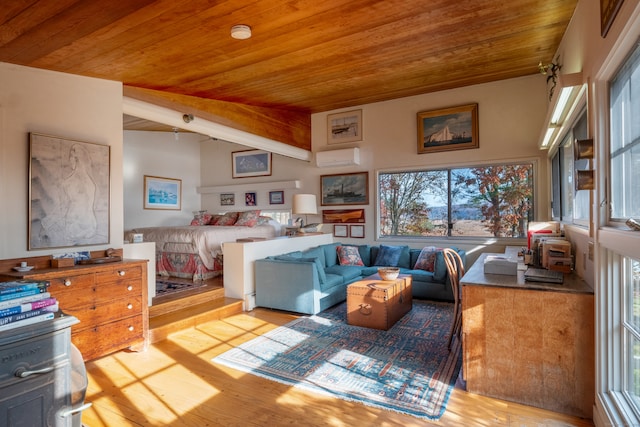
[[527, 342]]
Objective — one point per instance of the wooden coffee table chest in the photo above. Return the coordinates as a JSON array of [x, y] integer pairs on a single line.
[[378, 304]]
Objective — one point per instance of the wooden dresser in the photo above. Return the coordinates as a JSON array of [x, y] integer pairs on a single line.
[[109, 300], [531, 343]]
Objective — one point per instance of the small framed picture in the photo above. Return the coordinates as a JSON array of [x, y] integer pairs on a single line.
[[340, 230], [356, 231], [344, 127], [276, 197], [250, 163], [227, 199], [162, 193], [250, 199]]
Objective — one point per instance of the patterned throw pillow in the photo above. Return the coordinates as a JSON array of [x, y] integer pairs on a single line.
[[248, 218], [388, 256], [349, 255], [201, 219], [228, 219], [427, 259], [214, 219]]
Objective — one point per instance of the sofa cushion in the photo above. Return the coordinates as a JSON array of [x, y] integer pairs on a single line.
[[317, 252], [349, 255], [317, 262], [332, 281], [427, 259], [420, 275], [389, 256], [348, 272], [330, 255]]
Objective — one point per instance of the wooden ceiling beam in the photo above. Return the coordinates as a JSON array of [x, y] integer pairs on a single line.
[[286, 126]]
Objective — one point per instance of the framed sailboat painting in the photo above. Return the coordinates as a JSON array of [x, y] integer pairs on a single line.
[[454, 128]]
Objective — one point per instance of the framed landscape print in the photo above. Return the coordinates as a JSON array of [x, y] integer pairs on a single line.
[[448, 129], [250, 163], [345, 189], [162, 193], [68, 192], [344, 127]]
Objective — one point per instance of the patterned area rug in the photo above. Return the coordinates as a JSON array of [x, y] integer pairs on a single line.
[[407, 369], [166, 287]]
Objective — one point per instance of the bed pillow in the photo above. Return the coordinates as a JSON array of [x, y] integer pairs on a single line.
[[214, 219], [248, 218], [349, 255], [427, 259], [201, 219], [388, 256], [228, 219]]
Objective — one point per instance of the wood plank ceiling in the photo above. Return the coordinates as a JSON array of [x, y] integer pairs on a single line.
[[305, 56]]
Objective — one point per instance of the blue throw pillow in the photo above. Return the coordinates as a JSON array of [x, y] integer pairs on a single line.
[[388, 256]]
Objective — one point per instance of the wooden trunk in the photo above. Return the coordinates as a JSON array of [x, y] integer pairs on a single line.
[[374, 303]]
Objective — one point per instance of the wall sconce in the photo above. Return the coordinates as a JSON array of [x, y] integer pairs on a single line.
[[561, 106]]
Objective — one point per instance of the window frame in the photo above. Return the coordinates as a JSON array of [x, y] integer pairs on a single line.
[[534, 161]]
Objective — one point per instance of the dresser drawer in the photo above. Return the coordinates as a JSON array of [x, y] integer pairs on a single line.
[[119, 275], [66, 287], [106, 311], [107, 338], [40, 352]]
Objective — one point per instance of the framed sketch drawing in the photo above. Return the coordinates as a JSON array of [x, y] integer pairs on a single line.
[[356, 231], [448, 129], [250, 163], [68, 192], [345, 189], [340, 231], [162, 193], [344, 127]]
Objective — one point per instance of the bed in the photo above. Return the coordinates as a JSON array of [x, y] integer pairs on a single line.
[[195, 251]]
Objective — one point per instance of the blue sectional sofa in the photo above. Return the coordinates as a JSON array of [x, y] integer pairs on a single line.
[[313, 280]]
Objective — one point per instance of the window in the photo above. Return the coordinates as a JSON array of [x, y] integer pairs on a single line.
[[495, 200], [625, 140], [569, 205]]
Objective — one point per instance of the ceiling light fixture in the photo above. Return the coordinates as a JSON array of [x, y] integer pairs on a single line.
[[241, 32]]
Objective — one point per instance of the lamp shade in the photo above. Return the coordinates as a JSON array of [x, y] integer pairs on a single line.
[[304, 204]]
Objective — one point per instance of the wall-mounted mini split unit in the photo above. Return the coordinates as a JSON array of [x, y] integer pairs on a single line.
[[345, 157]]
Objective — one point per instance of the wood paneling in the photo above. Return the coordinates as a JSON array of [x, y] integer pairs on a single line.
[[305, 56]]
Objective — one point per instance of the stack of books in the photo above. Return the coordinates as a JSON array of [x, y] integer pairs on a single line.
[[25, 302]]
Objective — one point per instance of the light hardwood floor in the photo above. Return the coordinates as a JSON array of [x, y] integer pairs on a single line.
[[174, 383]]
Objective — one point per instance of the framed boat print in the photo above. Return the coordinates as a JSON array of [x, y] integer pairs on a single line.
[[344, 127], [448, 129], [345, 189]]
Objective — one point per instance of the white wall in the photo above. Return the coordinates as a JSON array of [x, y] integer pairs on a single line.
[[160, 154], [62, 105]]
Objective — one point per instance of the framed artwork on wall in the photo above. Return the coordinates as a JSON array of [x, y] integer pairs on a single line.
[[341, 216], [608, 11], [68, 192], [227, 199], [345, 189], [356, 231], [454, 128], [340, 230], [250, 163], [162, 193], [276, 197], [250, 199], [344, 127]]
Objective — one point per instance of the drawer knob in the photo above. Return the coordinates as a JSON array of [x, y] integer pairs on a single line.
[[67, 282], [23, 373], [121, 272], [129, 306], [129, 288], [131, 328]]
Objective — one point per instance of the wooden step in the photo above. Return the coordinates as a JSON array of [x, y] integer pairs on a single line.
[[184, 300], [163, 325]]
